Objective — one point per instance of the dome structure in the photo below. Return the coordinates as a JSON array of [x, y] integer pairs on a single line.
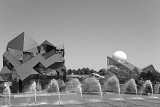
[[120, 56]]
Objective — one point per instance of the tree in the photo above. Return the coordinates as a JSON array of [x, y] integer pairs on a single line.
[[108, 74], [69, 71], [102, 72], [124, 74], [90, 85], [79, 71], [87, 71]]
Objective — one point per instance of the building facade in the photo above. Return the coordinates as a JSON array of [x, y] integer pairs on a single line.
[[126, 69], [25, 60]]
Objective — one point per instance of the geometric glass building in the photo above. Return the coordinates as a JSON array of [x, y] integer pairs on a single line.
[[119, 60], [150, 73], [25, 60]]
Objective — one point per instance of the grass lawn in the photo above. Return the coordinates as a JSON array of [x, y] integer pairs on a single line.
[[88, 100]]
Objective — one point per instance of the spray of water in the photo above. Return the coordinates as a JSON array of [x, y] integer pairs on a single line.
[[119, 91], [59, 96], [35, 92], [53, 86], [74, 86], [131, 84], [80, 90], [100, 90], [9, 94], [35, 96], [113, 83], [148, 83]]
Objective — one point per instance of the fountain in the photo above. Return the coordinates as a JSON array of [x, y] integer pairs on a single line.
[[80, 90], [32, 94], [54, 87], [119, 91], [59, 97], [148, 83], [131, 86], [7, 93], [92, 85], [157, 88], [112, 84], [100, 90], [74, 86], [35, 100], [34, 88]]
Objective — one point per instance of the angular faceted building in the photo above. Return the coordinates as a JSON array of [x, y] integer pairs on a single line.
[[25, 60], [119, 60], [150, 73]]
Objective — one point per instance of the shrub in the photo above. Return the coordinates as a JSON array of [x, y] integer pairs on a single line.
[[147, 87], [112, 84], [73, 86], [157, 89], [52, 86], [130, 86], [90, 85], [61, 85], [29, 87]]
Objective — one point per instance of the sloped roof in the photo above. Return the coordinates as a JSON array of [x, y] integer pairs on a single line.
[[130, 66], [25, 71], [148, 67], [1, 79], [48, 43], [127, 65], [5, 70], [15, 62], [6, 76], [22, 43], [16, 53], [154, 70]]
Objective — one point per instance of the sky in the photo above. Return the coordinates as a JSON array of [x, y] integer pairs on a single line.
[[90, 30]]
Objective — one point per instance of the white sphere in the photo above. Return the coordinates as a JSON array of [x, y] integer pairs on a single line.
[[120, 56]]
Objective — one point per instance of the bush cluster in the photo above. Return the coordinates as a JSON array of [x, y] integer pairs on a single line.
[[52, 86], [90, 85], [111, 84], [130, 86], [73, 86], [29, 87], [147, 87], [157, 89]]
